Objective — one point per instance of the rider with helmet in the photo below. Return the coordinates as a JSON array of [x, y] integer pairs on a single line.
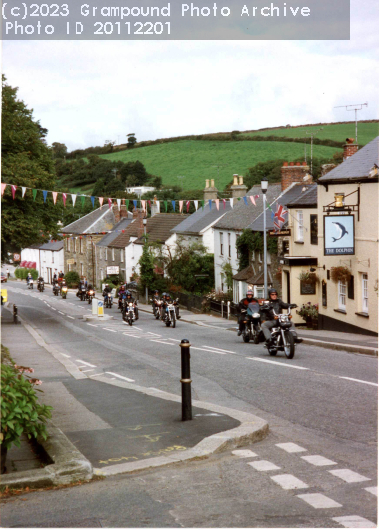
[[121, 295], [166, 299], [107, 292], [243, 306], [129, 298], [277, 305]]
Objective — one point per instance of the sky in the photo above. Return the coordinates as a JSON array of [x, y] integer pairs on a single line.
[[88, 92]]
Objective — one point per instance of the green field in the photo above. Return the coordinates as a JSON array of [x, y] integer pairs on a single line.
[[338, 132], [196, 160]]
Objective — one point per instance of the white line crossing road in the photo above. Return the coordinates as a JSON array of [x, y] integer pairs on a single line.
[[318, 460], [284, 365], [348, 476], [319, 501], [218, 349], [263, 465], [244, 453], [289, 482], [373, 490], [291, 447], [87, 364], [358, 380], [121, 377], [354, 521]]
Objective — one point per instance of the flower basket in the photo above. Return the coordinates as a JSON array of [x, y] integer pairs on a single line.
[[309, 313], [308, 277], [340, 274]]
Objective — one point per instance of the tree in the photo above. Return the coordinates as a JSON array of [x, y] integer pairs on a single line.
[[132, 140], [59, 150], [146, 263], [26, 161]]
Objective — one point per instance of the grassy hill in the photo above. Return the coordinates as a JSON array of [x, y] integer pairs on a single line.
[[197, 160]]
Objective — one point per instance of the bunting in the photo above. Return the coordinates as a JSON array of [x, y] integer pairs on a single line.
[[73, 197], [245, 200], [143, 203], [135, 203], [119, 204], [252, 199], [210, 204], [14, 188], [64, 197], [196, 203], [3, 186], [180, 206], [231, 203], [93, 201], [188, 205], [23, 191], [83, 199], [55, 194], [173, 205], [217, 201], [110, 203], [101, 200], [165, 205], [202, 204], [34, 195], [127, 204], [224, 202], [44, 195]]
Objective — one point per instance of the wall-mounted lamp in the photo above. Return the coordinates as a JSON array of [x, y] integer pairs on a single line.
[[339, 200]]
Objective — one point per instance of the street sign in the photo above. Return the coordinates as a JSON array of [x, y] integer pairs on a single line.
[[16, 257], [277, 233], [113, 270], [70, 261], [100, 308], [339, 235]]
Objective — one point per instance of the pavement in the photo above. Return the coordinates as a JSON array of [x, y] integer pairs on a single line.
[[130, 428]]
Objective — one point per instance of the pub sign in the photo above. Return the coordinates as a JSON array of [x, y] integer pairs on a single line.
[[338, 235]]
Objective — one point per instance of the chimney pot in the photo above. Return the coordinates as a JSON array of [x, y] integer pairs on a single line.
[[212, 183], [207, 183], [241, 180], [292, 164], [285, 164], [235, 180], [305, 164], [298, 163]]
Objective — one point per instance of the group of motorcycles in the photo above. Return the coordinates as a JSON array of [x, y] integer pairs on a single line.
[[85, 294], [165, 311], [281, 337]]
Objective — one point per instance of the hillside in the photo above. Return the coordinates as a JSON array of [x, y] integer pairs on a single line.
[[197, 160]]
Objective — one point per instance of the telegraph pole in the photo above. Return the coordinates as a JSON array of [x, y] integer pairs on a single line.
[[312, 134]]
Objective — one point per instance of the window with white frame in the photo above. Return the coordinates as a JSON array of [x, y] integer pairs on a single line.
[[300, 225], [74, 244], [81, 246], [100, 253], [68, 245], [122, 255], [259, 292], [112, 254], [44, 255], [222, 277], [81, 269], [260, 258], [106, 254], [221, 243], [364, 293], [342, 295], [101, 274], [229, 245], [238, 254], [52, 257]]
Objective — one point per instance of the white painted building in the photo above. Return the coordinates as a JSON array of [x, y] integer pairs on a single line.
[[47, 259]]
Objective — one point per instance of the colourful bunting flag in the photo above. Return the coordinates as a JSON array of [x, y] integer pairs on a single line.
[[150, 203], [252, 199], [245, 200], [217, 201], [127, 204], [55, 194], [110, 203], [210, 203], [73, 197], [188, 205], [34, 194], [93, 201], [180, 206], [101, 200], [83, 199], [3, 186], [196, 203], [231, 203], [143, 205], [173, 205], [224, 202], [119, 204], [44, 195], [13, 187], [135, 203], [202, 204], [64, 197], [23, 191]]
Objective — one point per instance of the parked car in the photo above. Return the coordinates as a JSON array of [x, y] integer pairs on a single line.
[[3, 277], [132, 285]]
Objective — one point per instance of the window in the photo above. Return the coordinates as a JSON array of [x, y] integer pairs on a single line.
[[44, 255], [221, 243], [81, 269], [100, 253], [324, 295], [364, 293], [101, 274], [259, 292], [238, 254], [68, 245], [122, 255], [52, 257], [106, 254], [286, 246], [300, 227], [342, 296], [74, 244], [81, 246], [350, 288], [229, 246], [112, 254], [313, 223]]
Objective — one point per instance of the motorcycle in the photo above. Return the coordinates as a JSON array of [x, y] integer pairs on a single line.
[[64, 291], [157, 304], [169, 317], [90, 295], [41, 286], [281, 336], [82, 293], [108, 301], [128, 313], [30, 285], [252, 330], [56, 289]]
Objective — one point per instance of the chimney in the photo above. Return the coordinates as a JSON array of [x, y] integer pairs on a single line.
[[124, 211], [295, 173], [116, 212], [210, 192], [139, 215], [155, 206], [325, 168], [238, 189], [350, 148]]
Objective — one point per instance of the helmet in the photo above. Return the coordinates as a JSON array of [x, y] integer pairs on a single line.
[[272, 291], [250, 293], [128, 293], [164, 295], [156, 291], [106, 285]]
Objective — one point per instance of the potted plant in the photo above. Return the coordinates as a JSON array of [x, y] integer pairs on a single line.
[[309, 312], [308, 277], [20, 411], [340, 274]]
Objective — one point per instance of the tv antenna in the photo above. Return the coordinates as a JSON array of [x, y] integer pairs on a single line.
[[312, 134], [355, 107], [218, 169]]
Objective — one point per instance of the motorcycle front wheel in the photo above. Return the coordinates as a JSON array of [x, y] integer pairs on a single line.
[[246, 335], [130, 320], [289, 345]]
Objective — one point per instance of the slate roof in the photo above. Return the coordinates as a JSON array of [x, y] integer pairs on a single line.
[[308, 199], [289, 195], [244, 274], [201, 219], [358, 165], [100, 220], [111, 236], [158, 228], [241, 215], [55, 246], [248, 275]]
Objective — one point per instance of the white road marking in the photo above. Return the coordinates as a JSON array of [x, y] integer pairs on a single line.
[[93, 325], [176, 340], [53, 308], [138, 328], [95, 375], [358, 381], [219, 349], [87, 364], [156, 389], [64, 355], [48, 305], [61, 312], [291, 447], [318, 460], [68, 316], [244, 453], [162, 342], [348, 476], [121, 377], [372, 489], [318, 500], [289, 482], [354, 521], [210, 351], [277, 363], [90, 370], [263, 465], [112, 330]]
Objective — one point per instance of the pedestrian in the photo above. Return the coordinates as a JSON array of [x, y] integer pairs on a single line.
[[8, 273]]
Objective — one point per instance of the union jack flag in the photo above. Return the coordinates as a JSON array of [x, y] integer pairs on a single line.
[[279, 217]]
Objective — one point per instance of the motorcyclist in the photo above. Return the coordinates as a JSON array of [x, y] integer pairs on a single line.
[[243, 306], [28, 278], [56, 286], [155, 298], [40, 279], [129, 298], [62, 283], [166, 299], [121, 295], [277, 305], [55, 277], [81, 284], [107, 292]]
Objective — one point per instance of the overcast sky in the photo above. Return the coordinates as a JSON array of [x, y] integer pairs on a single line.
[[88, 92]]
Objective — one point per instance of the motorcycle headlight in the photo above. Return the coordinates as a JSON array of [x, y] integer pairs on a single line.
[[256, 315], [130, 304], [91, 293]]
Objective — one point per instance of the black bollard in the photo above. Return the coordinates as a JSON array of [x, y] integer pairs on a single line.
[[15, 312], [186, 381]]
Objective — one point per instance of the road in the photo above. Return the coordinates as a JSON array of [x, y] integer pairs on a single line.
[[324, 402]]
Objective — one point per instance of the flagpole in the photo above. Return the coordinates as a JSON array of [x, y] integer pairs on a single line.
[[264, 186]]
